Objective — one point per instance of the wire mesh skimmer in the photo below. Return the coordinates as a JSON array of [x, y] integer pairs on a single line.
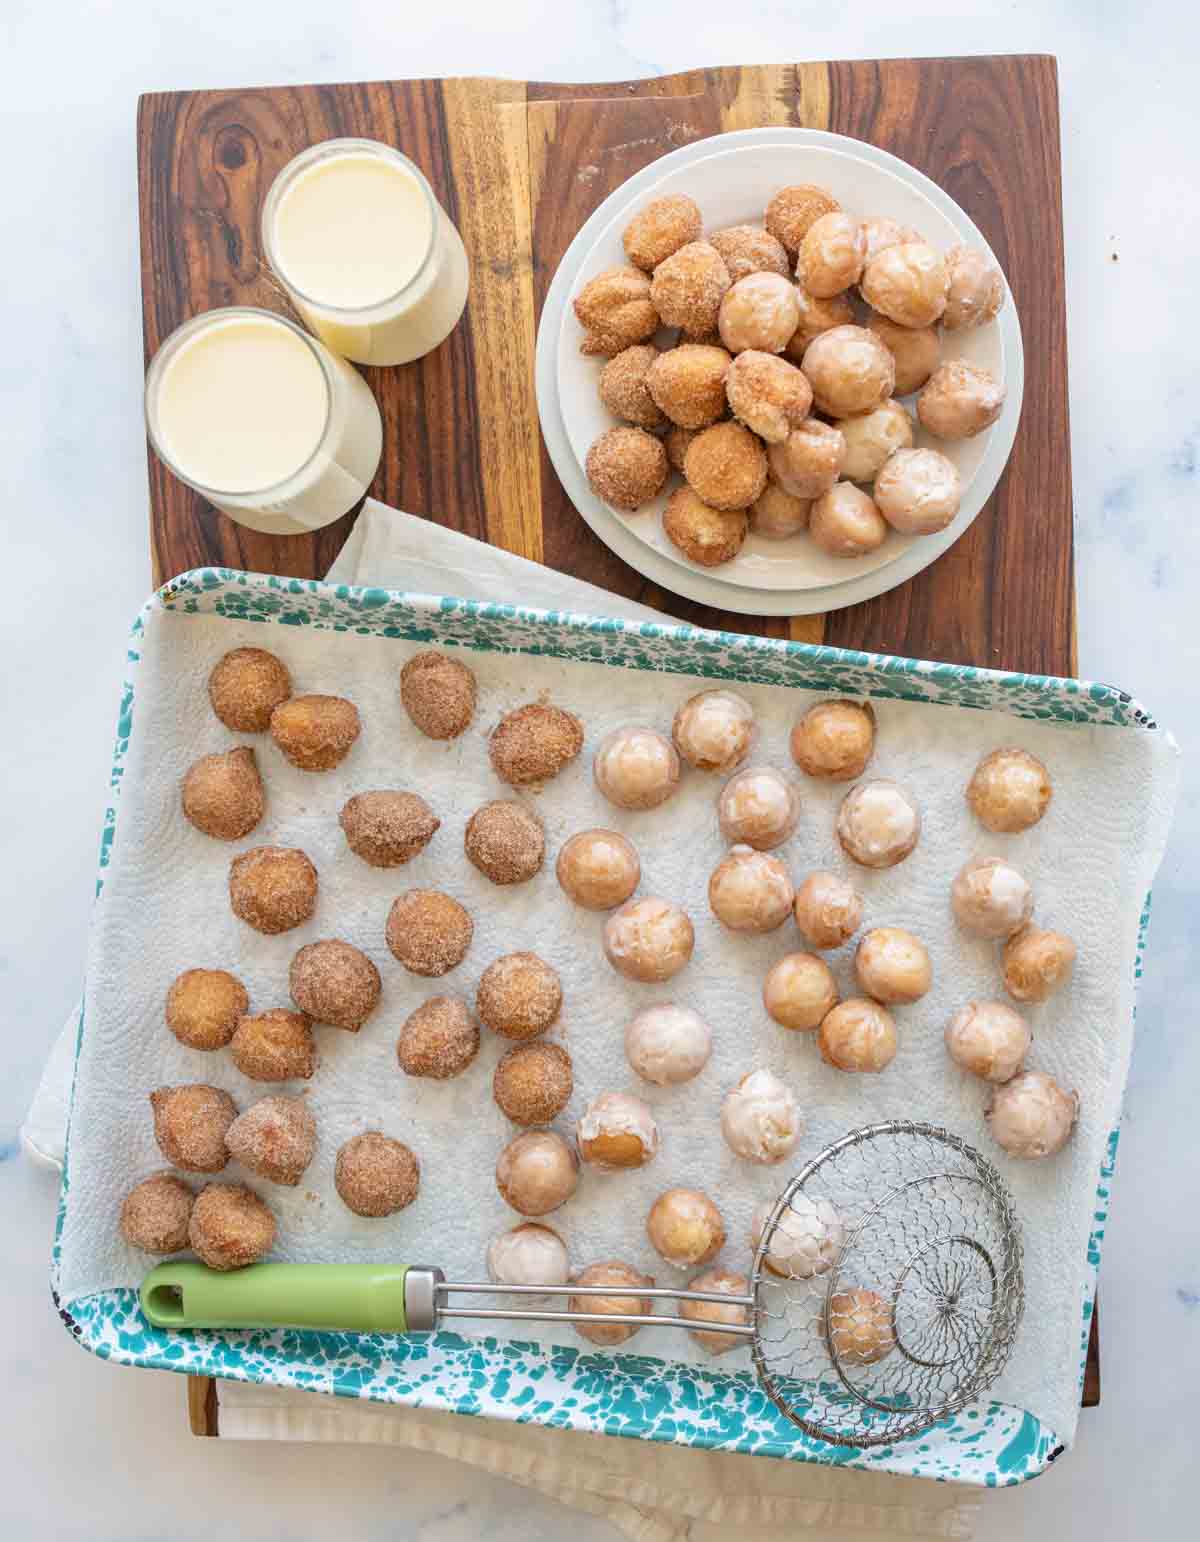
[[886, 1290]]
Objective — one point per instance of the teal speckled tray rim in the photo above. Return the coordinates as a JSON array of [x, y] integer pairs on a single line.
[[637, 1396]]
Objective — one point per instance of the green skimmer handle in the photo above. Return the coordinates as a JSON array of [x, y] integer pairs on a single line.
[[358, 1298]]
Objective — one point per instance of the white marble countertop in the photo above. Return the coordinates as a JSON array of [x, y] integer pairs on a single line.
[[87, 1450]]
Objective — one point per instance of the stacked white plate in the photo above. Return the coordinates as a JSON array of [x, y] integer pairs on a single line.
[[732, 177]]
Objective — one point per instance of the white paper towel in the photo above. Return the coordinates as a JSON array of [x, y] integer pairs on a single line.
[[164, 909]]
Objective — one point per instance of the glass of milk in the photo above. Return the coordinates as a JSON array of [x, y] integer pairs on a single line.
[[267, 424], [353, 232]]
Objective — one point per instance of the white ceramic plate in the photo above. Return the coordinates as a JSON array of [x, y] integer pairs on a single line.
[[732, 184]]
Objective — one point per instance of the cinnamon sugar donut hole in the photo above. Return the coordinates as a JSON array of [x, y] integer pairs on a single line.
[[439, 1040], [750, 249], [687, 288], [726, 466], [505, 841], [438, 693], [687, 385], [230, 1226], [794, 210], [623, 388], [532, 1083], [334, 982], [615, 310], [767, 394], [204, 1007], [155, 1214], [660, 228], [272, 888], [223, 795], [534, 743], [428, 932], [315, 732], [246, 686], [519, 996], [626, 467], [376, 1176], [704, 535]]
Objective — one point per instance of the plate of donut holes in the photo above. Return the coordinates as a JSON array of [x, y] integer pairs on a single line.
[[788, 371]]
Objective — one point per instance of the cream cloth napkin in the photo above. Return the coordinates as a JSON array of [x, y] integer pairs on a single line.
[[650, 1492]]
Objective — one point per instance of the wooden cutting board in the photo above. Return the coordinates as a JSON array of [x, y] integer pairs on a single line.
[[519, 166]]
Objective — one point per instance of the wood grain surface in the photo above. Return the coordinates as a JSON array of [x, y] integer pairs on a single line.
[[461, 441]]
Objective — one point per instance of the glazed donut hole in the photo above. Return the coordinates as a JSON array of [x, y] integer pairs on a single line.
[[687, 288], [387, 829], [375, 1175], [749, 249], [845, 522], [860, 1327], [807, 1238], [667, 1044], [918, 491], [529, 1254], [714, 730], [990, 898], [1009, 791], [800, 992], [230, 1226], [622, 1277], [636, 768], [988, 1039], [704, 535], [700, 1312], [648, 939], [623, 388], [438, 693], [315, 732], [751, 891], [439, 1039], [881, 231], [333, 982], [626, 467], [428, 932], [817, 316], [617, 1131], [767, 394], [777, 515], [1031, 1116], [809, 461], [615, 310], [916, 351], [850, 371], [685, 1228], [533, 1083], [275, 1139], [760, 312], [534, 743], [660, 229], [204, 1007], [223, 795], [726, 466], [892, 966], [878, 824], [976, 290], [155, 1214], [959, 400], [758, 807], [794, 210], [760, 1119], [831, 255], [834, 739], [687, 385], [505, 841], [275, 1046], [190, 1124], [907, 283], [858, 1035], [598, 869], [828, 910], [246, 686], [677, 439], [1036, 963], [872, 438], [537, 1172], [519, 996]]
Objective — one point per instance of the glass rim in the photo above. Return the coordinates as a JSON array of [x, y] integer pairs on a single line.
[[168, 349], [324, 150]]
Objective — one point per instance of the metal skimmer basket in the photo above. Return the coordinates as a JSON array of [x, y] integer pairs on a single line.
[[888, 1283]]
